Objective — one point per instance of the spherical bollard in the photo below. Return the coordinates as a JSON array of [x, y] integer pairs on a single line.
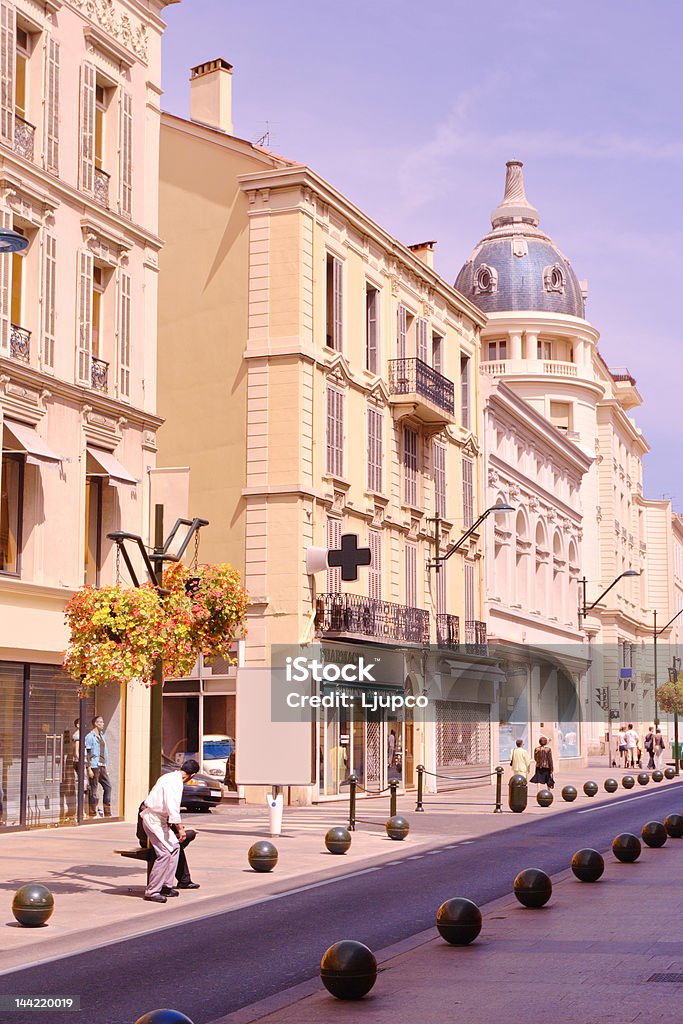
[[673, 824], [544, 797], [588, 865], [590, 788], [626, 847], [657, 775], [397, 828], [458, 921], [518, 793], [628, 782], [262, 856], [533, 888], [669, 773], [33, 905], [643, 779], [338, 840], [163, 1017], [569, 794], [348, 969], [611, 785], [654, 834]]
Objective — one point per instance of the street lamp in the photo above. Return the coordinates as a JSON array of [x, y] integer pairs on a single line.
[[655, 633], [12, 241], [585, 608], [154, 566], [438, 559], [673, 678]]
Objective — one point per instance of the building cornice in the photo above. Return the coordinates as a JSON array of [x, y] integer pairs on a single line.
[[537, 322], [216, 137], [631, 430], [534, 488]]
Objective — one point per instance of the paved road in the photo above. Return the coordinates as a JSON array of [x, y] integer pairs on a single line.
[[209, 968]]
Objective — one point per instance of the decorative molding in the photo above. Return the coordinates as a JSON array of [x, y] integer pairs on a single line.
[[132, 35], [102, 44], [26, 201], [149, 439], [106, 245], [21, 402], [100, 429]]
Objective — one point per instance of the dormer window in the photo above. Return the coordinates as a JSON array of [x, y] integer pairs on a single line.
[[553, 278], [485, 280]]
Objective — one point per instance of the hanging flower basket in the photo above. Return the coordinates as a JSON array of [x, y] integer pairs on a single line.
[[670, 697], [218, 605]]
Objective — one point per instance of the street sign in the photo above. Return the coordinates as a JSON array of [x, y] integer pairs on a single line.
[[614, 713], [626, 673]]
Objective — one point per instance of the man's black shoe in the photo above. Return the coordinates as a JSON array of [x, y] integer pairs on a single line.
[[188, 885], [156, 897], [167, 891]]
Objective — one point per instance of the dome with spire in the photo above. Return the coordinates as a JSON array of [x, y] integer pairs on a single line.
[[516, 266]]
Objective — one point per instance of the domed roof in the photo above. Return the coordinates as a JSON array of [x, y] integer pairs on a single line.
[[517, 266]]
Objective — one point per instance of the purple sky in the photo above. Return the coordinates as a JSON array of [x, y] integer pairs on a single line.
[[412, 110]]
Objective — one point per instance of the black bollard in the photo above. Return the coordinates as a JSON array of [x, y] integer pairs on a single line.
[[673, 824], [544, 798], [533, 888], [420, 783], [626, 847], [338, 840], [628, 782], [163, 1017], [498, 809], [348, 969], [590, 788], [352, 803], [33, 905], [458, 921], [397, 828], [669, 773], [518, 792], [643, 779], [262, 856], [657, 775], [611, 785], [393, 786], [654, 834], [569, 794], [588, 865]]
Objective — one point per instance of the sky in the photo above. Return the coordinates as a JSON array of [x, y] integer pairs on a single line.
[[411, 110]]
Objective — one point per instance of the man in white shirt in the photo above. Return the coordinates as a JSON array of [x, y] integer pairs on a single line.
[[632, 739], [160, 810]]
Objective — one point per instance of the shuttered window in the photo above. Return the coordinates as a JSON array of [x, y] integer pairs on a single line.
[[411, 575], [52, 106], [85, 288], [372, 329], [437, 353], [439, 473], [374, 450], [124, 335], [401, 335], [8, 46], [49, 300], [469, 592], [5, 286], [335, 432], [410, 466], [422, 340], [126, 172], [375, 571], [465, 390], [467, 493], [441, 606], [335, 303], [334, 528], [87, 175]]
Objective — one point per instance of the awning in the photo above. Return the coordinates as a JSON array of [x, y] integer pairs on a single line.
[[31, 444], [110, 467]]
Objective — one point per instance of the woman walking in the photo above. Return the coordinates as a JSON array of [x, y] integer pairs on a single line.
[[543, 757]]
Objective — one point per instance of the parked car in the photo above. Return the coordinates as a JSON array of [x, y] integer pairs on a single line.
[[217, 750], [200, 793]]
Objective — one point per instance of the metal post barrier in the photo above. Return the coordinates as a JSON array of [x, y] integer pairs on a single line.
[[352, 803], [393, 786], [498, 809], [420, 783]]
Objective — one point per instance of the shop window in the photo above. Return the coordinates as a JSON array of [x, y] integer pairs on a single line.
[[11, 502]]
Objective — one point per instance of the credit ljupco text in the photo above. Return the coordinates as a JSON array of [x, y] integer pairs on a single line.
[[301, 670]]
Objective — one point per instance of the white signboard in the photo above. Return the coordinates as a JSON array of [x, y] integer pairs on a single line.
[[269, 753]]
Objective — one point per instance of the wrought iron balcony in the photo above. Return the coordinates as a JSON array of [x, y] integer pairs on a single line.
[[24, 137], [475, 637], [417, 389], [102, 180], [344, 614], [19, 343], [99, 374], [448, 630]]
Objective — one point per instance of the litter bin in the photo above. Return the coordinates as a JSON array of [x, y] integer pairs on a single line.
[[275, 802], [677, 752]]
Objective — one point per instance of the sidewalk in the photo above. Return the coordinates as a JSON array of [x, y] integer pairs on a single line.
[[80, 867]]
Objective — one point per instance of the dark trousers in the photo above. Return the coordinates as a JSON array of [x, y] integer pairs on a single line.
[[182, 871], [99, 778]]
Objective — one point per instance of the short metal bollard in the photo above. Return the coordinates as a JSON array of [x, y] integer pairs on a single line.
[[626, 847], [338, 840], [611, 785], [590, 788], [420, 787], [348, 969], [397, 828], [588, 865], [569, 794], [657, 775], [262, 856], [163, 1017], [458, 921], [518, 793], [498, 809], [654, 834], [673, 823], [352, 803], [628, 782], [33, 905], [393, 787], [669, 773], [643, 779], [533, 888], [544, 798]]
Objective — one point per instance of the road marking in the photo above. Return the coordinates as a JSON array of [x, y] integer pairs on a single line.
[[599, 807], [433, 853], [416, 856], [465, 842]]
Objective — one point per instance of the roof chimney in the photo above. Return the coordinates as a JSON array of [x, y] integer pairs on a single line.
[[211, 95], [425, 252]]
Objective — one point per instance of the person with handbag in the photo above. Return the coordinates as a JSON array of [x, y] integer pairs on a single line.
[[543, 757]]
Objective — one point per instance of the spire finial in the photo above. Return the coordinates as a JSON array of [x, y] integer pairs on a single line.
[[515, 205]]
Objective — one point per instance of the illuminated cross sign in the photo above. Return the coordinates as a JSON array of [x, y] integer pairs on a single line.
[[349, 557]]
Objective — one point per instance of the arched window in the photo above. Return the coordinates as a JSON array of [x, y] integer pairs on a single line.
[[540, 602], [522, 559], [559, 577], [500, 584]]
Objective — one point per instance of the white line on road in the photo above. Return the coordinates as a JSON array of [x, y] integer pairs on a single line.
[[601, 807]]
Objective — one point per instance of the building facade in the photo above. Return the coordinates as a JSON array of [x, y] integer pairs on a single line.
[[79, 131]]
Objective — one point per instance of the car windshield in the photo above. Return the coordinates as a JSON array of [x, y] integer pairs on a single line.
[[218, 748]]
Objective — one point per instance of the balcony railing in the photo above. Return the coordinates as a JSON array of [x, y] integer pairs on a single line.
[[102, 180], [24, 137], [19, 343], [551, 367], [367, 616], [413, 376], [475, 637], [448, 630], [99, 374]]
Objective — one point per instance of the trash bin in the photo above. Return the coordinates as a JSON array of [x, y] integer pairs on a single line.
[[677, 751], [275, 803]]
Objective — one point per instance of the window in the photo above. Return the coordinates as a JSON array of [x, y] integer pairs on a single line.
[[11, 500], [437, 352], [51, 151], [560, 415], [371, 329], [334, 528], [465, 390], [410, 466], [97, 301], [335, 432], [469, 592], [402, 332], [88, 101], [93, 530], [86, 267], [23, 52], [439, 458], [7, 54], [497, 350], [422, 339], [441, 602], [374, 450], [100, 109], [375, 571], [126, 151], [49, 300], [17, 287], [411, 575], [545, 349], [335, 297], [124, 335], [467, 493]]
